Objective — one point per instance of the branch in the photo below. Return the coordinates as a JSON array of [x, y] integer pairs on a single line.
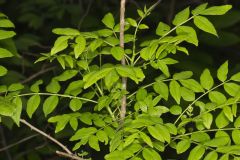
[[63, 154], [37, 74], [68, 152], [18, 142], [123, 62]]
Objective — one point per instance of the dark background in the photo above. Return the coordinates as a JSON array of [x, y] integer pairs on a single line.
[[34, 20]]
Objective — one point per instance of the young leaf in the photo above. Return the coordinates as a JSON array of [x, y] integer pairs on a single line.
[[108, 20], [74, 88], [146, 139], [154, 132], [176, 110], [17, 114], [164, 131], [191, 35], [182, 75], [35, 86], [5, 23], [94, 76], [228, 113], [216, 10], [175, 91], [221, 120], [83, 133], [237, 122], [222, 72], [211, 156], [217, 97], [111, 78], [60, 44], [200, 137], [50, 104], [75, 104], [6, 34], [7, 108], [231, 88], [117, 52], [181, 16], [206, 80], [129, 140], [199, 9], [192, 84], [196, 153], [93, 143], [164, 68], [150, 154], [66, 31], [102, 136], [74, 123], [53, 87], [162, 89], [183, 146], [32, 104], [187, 94], [141, 94], [207, 120], [80, 46], [162, 29], [15, 87], [204, 24], [3, 71], [66, 75], [5, 53], [236, 77]]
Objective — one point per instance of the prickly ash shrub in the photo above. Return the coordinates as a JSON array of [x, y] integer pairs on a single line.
[[198, 117]]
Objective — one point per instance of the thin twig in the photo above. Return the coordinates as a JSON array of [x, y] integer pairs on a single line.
[[18, 142], [47, 136], [85, 14], [123, 62], [37, 74], [63, 154]]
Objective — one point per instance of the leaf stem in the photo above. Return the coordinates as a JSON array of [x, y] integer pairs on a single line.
[[55, 94], [198, 99]]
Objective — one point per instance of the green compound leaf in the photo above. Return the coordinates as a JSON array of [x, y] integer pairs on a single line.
[[32, 104], [66, 31], [181, 17], [204, 24], [50, 104], [183, 146], [150, 154], [175, 91], [108, 20], [206, 79], [211, 156], [222, 72], [4, 53], [216, 10], [196, 153]]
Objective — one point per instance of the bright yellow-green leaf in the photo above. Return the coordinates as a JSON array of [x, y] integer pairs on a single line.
[[204, 24], [50, 104], [181, 16], [222, 72], [196, 153], [66, 31], [206, 79], [5, 53], [32, 104]]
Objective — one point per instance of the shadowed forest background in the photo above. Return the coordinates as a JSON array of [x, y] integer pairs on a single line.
[[34, 21]]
